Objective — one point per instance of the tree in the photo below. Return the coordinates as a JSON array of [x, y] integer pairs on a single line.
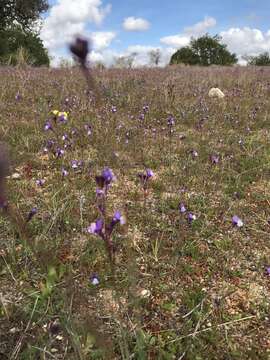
[[260, 60], [155, 56], [18, 38], [204, 51], [125, 61], [14, 39], [23, 12]]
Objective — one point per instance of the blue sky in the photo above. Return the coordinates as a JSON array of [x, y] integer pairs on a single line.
[[156, 24]]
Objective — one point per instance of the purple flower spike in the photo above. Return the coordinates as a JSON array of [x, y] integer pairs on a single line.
[[96, 228], [31, 214], [48, 126], [191, 217], [95, 280], [182, 208], [237, 221], [40, 182]]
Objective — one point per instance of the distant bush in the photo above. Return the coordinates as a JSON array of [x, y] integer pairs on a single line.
[[260, 60]]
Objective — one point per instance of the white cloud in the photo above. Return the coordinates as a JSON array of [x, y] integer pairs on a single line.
[[135, 24], [68, 18], [201, 27], [102, 39], [175, 40], [246, 41], [196, 30]]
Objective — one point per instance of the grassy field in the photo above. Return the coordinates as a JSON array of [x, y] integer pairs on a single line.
[[178, 280]]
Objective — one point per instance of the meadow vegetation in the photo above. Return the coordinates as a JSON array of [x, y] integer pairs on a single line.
[[180, 278]]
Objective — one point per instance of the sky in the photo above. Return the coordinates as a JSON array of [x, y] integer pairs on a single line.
[[123, 27]]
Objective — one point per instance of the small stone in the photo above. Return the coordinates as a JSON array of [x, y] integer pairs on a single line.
[[145, 293], [16, 176]]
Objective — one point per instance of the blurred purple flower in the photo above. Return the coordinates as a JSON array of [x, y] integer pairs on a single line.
[[96, 228], [88, 129], [191, 217], [182, 208], [113, 109], [170, 121], [80, 49], [59, 152], [64, 172], [48, 126], [214, 159], [267, 270], [94, 279], [40, 182], [31, 214], [236, 221], [194, 153], [145, 108]]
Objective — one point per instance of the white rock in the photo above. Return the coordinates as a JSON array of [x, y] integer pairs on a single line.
[[216, 92], [16, 176]]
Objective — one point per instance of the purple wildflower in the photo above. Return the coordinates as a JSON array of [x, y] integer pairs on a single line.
[[118, 217], [88, 129], [194, 154], [108, 176], [267, 270], [18, 96], [236, 221], [182, 208], [65, 137], [96, 228], [32, 213], [95, 279], [145, 108], [113, 109], [214, 159], [62, 117], [170, 121], [48, 126], [59, 152], [64, 172], [141, 116], [191, 217], [40, 182]]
